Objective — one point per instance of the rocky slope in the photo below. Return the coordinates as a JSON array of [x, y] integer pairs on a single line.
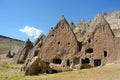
[[7, 43], [114, 21]]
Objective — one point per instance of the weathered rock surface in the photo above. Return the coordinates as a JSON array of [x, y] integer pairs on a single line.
[[114, 21], [72, 25], [56, 53], [62, 50], [20, 57], [32, 55], [10, 55], [81, 31], [99, 49]]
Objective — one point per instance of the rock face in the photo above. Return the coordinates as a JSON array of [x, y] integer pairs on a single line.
[[20, 57], [36, 45], [100, 48], [72, 25], [82, 30], [114, 21], [10, 55], [57, 52], [32, 55], [65, 48]]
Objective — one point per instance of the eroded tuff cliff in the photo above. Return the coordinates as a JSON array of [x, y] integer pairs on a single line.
[[69, 47], [114, 21]]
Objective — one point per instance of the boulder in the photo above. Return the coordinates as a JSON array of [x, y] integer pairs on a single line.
[[10, 55]]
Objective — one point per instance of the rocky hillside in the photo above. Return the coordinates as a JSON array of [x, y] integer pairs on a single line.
[[114, 21], [68, 47], [7, 43]]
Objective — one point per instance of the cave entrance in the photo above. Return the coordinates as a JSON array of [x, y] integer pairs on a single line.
[[97, 62], [54, 71], [36, 53], [85, 63], [37, 71], [90, 50], [57, 61], [68, 62], [105, 53]]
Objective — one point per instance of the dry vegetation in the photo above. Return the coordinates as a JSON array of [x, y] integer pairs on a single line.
[[12, 72], [4, 48]]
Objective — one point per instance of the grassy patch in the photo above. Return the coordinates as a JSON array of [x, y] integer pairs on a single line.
[[7, 68], [4, 48], [41, 76], [11, 66], [99, 73]]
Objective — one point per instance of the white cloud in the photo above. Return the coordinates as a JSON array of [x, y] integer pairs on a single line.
[[31, 31]]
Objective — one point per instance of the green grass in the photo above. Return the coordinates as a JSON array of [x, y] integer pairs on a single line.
[[20, 76], [11, 65], [10, 72], [39, 77], [7, 45]]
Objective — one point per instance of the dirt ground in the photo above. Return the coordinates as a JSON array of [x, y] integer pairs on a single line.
[[110, 71], [4, 60]]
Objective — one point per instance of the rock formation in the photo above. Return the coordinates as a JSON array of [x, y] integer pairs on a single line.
[[99, 49], [67, 48], [20, 57], [31, 57], [81, 31], [56, 53], [114, 21], [10, 55]]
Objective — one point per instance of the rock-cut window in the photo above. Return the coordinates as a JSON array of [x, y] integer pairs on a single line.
[[57, 61], [90, 50], [105, 53]]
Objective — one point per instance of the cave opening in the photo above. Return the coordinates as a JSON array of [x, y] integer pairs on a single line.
[[105, 53], [57, 61], [68, 62], [97, 62], [90, 50], [85, 61]]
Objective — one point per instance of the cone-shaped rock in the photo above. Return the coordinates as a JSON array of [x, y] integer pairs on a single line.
[[61, 51], [114, 21], [34, 51], [57, 50], [20, 57], [81, 30]]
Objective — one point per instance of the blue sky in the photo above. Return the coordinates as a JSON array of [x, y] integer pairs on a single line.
[[18, 16]]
